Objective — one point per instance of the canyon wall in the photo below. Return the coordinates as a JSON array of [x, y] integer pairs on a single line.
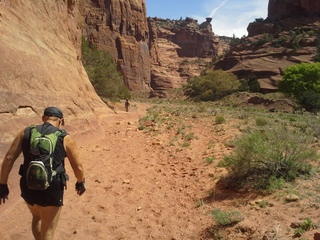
[[41, 55], [179, 49], [41, 66], [120, 28], [287, 37], [152, 54], [280, 9]]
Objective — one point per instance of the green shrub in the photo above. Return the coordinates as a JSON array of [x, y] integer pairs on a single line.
[[219, 119], [311, 100], [266, 38], [316, 58], [226, 218], [306, 225], [303, 82], [278, 42], [261, 122], [234, 41], [210, 159], [263, 159], [259, 20], [211, 85], [103, 73], [250, 83]]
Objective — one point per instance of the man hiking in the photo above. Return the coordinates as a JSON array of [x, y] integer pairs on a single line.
[[43, 176]]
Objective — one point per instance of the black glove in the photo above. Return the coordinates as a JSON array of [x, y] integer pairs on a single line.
[[80, 188], [4, 192]]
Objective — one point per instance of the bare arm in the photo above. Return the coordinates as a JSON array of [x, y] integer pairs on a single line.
[[10, 157], [73, 156]]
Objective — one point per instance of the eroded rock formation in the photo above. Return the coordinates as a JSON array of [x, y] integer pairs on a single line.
[[151, 54], [120, 28], [179, 49], [41, 66], [288, 36]]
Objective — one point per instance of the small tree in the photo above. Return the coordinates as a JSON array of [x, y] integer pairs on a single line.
[[212, 85], [302, 81], [102, 72], [250, 84]]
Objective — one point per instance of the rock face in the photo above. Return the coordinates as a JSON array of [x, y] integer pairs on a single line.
[[151, 54], [287, 37], [121, 29], [179, 49], [41, 66], [280, 9]]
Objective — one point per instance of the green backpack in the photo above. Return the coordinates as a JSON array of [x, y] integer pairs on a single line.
[[40, 170]]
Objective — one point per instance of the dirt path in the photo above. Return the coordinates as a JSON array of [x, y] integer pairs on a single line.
[[135, 190], [140, 186]]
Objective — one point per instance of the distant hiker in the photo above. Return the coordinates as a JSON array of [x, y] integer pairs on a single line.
[[43, 176], [126, 105]]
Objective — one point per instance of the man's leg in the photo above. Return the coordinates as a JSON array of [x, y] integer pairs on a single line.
[[49, 220], [44, 221], [36, 221]]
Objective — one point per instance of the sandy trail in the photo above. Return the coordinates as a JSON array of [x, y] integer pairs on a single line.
[[135, 190], [140, 186]]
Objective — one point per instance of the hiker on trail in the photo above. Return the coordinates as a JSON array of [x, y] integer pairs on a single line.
[[43, 176], [126, 105]]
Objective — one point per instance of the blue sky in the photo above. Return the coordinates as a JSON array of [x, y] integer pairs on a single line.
[[229, 16]]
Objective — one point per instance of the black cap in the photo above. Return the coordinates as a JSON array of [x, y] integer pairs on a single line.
[[53, 112]]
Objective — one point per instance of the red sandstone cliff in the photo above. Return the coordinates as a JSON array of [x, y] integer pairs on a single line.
[[280, 9], [179, 49], [41, 66], [120, 28], [148, 53], [288, 36]]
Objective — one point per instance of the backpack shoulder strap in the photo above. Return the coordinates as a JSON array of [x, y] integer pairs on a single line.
[[63, 133], [25, 148], [27, 136]]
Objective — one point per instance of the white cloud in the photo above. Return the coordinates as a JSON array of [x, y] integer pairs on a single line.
[[214, 10], [233, 16]]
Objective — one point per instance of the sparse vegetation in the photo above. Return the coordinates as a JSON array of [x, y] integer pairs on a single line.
[[210, 159], [102, 72], [306, 225], [273, 152], [227, 218], [234, 41]]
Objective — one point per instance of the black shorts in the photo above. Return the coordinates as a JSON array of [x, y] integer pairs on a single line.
[[52, 196]]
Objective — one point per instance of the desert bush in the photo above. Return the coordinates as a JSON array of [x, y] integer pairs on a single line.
[[265, 38], [211, 85], [210, 159], [227, 218], [234, 41], [251, 84], [302, 81], [259, 20], [102, 72], [316, 58], [295, 38], [304, 226], [261, 122], [263, 158], [278, 42], [219, 119]]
